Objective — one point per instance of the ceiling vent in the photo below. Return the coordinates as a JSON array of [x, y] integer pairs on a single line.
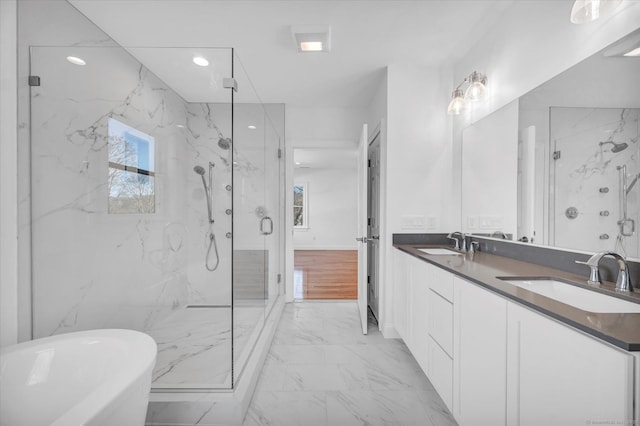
[[312, 38]]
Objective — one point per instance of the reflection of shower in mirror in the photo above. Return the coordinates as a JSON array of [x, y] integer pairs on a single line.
[[627, 225]]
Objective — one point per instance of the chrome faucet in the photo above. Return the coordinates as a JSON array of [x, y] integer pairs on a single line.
[[622, 283], [461, 243]]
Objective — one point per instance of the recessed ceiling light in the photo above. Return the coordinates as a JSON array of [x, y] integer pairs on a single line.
[[180, 126], [200, 61], [314, 38], [311, 46], [252, 127], [298, 163], [76, 61], [634, 52]]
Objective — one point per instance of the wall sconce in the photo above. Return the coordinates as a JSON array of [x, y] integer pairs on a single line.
[[476, 91], [584, 11]]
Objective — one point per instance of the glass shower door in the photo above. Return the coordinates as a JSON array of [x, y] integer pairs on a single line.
[[257, 213]]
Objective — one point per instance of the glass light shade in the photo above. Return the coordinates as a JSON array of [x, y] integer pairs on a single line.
[[457, 104], [476, 90], [589, 10]]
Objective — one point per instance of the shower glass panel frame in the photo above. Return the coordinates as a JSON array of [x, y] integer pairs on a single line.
[[258, 197]]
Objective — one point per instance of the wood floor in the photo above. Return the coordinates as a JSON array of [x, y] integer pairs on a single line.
[[325, 274]]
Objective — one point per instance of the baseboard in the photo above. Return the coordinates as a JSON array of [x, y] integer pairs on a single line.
[[389, 332]]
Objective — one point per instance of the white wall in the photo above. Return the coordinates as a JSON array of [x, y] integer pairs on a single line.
[[323, 127], [332, 209], [8, 174], [417, 165], [532, 42]]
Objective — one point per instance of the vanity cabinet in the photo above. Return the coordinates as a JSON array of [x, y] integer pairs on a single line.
[[495, 362], [480, 351], [558, 375]]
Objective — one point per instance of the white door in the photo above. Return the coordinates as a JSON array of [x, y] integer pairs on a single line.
[[362, 228]]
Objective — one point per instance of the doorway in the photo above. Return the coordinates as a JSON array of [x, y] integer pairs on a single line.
[[324, 224]]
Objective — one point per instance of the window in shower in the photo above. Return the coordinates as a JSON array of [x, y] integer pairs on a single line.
[[300, 216], [131, 169]]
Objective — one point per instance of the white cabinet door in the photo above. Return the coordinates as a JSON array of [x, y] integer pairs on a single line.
[[441, 372], [440, 329], [480, 350], [558, 376], [419, 331], [401, 293], [441, 321]]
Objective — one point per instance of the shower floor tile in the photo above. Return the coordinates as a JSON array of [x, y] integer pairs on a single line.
[[194, 345]]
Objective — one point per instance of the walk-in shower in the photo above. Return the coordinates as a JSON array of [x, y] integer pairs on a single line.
[[138, 204]]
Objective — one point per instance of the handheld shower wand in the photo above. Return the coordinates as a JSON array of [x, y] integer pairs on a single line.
[[207, 189], [212, 237]]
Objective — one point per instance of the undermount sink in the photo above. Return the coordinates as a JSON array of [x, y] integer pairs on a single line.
[[438, 251], [581, 298]]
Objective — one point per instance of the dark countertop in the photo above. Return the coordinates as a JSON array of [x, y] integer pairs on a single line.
[[619, 329]]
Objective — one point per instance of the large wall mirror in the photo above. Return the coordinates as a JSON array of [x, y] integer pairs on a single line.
[[560, 165]]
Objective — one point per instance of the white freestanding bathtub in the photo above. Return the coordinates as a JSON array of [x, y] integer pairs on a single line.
[[96, 377]]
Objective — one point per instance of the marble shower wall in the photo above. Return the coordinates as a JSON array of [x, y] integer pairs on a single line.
[[92, 269], [586, 177]]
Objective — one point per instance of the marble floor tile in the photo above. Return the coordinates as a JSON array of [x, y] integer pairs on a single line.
[[287, 409], [321, 370]]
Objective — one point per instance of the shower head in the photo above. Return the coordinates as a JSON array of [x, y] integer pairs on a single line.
[[617, 147], [224, 143], [199, 170]]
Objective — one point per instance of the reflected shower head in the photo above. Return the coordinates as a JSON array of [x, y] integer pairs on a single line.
[[199, 170], [224, 143], [617, 147]]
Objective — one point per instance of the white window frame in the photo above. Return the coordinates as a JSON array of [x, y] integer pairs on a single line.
[[305, 205]]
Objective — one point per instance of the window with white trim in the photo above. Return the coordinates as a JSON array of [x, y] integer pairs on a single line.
[[300, 204]]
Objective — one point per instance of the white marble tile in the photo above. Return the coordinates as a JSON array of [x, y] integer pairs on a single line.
[[367, 381], [297, 354], [287, 408], [376, 408]]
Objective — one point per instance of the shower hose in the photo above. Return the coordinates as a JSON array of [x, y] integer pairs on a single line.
[[214, 245]]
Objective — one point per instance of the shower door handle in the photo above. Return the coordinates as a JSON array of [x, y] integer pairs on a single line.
[[262, 221]]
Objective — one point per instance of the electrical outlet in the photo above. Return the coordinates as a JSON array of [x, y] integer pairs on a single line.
[[413, 222], [472, 222]]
